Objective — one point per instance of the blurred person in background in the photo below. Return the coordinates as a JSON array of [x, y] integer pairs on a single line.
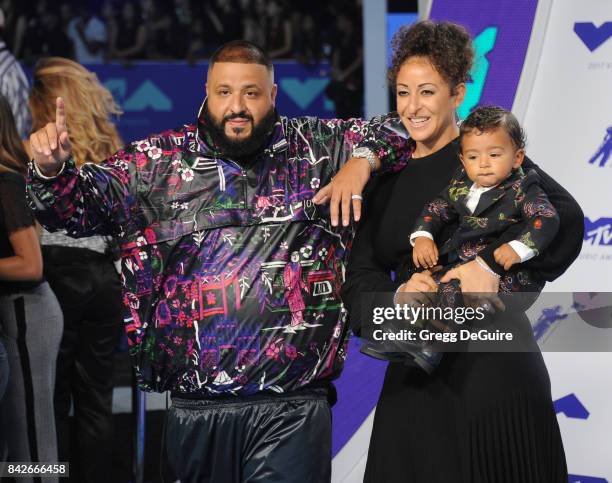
[[29, 47], [182, 16], [15, 23], [308, 44], [66, 14], [55, 40], [230, 16], [128, 40], [83, 276], [30, 317], [310, 20], [157, 21], [279, 32], [109, 17], [46, 35], [253, 21], [13, 83], [197, 48], [206, 32], [89, 36], [346, 86]]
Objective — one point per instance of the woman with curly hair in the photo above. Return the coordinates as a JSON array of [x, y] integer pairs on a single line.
[[82, 275], [30, 317], [479, 416]]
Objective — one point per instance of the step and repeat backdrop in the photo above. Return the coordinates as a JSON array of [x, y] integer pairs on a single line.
[[566, 102]]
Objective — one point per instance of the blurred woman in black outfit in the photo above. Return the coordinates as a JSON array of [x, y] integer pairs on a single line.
[[480, 417], [30, 316]]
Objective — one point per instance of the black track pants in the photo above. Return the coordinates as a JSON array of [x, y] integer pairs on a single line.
[[280, 438]]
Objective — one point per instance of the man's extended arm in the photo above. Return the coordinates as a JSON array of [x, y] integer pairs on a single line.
[[96, 199], [385, 137]]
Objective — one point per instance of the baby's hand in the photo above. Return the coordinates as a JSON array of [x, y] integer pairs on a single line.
[[506, 256], [424, 252]]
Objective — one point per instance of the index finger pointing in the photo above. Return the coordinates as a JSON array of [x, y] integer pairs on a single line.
[[60, 114]]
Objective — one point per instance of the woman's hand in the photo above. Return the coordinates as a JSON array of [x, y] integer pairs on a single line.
[[473, 278], [478, 285], [421, 288], [345, 189]]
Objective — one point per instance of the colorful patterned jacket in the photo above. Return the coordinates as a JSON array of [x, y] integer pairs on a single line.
[[230, 276], [519, 199]]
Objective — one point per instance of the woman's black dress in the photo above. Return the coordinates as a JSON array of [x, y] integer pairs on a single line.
[[480, 417]]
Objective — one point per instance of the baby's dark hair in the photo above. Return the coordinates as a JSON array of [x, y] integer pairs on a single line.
[[446, 45], [487, 118]]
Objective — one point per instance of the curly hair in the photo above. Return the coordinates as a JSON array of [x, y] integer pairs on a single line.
[[488, 118], [89, 107], [447, 45]]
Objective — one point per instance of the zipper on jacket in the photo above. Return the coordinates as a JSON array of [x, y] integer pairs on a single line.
[[243, 202], [245, 182]]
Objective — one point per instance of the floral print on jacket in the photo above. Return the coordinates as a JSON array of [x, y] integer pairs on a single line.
[[518, 199], [208, 245]]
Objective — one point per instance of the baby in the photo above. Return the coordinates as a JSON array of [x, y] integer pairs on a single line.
[[487, 196]]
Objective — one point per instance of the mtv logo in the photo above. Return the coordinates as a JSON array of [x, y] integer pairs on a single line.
[[593, 36], [598, 232]]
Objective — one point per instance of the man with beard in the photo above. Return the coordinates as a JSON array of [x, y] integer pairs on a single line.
[[212, 220]]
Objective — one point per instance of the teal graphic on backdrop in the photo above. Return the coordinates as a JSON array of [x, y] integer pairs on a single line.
[[303, 91], [483, 44], [146, 96]]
